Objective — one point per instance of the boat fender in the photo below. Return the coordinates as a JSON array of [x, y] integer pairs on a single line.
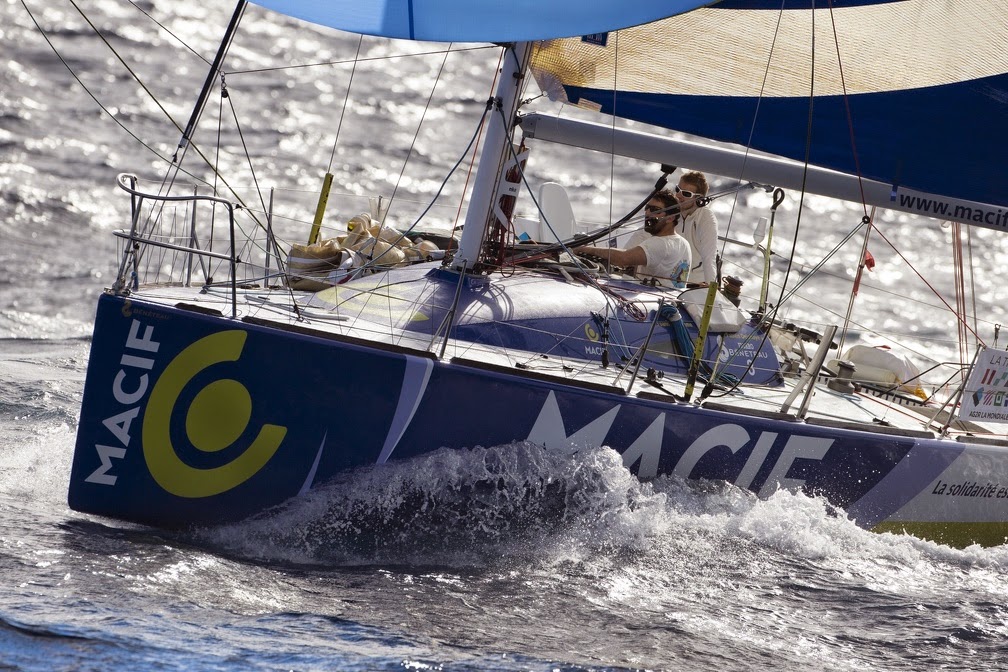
[[880, 364]]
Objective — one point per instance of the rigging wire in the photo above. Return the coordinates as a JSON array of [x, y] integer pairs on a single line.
[[823, 308], [356, 273], [708, 389], [960, 287], [475, 147], [805, 163], [423, 116], [963, 265], [125, 65], [135, 76], [165, 29], [612, 162], [472, 142], [972, 276], [849, 116], [822, 262], [175, 167], [346, 101], [962, 311], [217, 68], [771, 318], [959, 281], [143, 86], [241, 136], [584, 274], [756, 112], [959, 317], [718, 365], [612, 136], [90, 93], [868, 220], [172, 171], [805, 166], [371, 258]]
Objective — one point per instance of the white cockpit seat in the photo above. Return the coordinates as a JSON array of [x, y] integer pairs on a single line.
[[557, 211]]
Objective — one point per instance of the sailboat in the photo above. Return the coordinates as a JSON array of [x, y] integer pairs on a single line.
[[233, 370]]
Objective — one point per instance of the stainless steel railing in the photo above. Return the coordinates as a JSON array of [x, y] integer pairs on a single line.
[[145, 233]]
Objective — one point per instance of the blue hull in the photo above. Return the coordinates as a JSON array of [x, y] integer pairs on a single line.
[[192, 419]]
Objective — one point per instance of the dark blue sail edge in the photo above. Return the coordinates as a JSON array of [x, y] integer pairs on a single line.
[[898, 134]]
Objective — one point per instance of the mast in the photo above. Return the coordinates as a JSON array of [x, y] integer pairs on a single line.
[[494, 154]]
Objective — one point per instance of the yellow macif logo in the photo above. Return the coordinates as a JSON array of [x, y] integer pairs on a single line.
[[218, 416]]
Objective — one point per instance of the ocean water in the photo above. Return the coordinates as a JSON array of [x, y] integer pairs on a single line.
[[568, 563]]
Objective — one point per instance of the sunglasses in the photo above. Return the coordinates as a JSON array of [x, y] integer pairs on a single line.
[[685, 193], [655, 208]]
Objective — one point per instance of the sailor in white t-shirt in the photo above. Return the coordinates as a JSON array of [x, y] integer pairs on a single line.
[[657, 251]]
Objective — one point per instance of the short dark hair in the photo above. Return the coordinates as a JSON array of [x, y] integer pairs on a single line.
[[667, 197]]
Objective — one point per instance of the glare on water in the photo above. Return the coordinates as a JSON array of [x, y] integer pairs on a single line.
[[497, 557]]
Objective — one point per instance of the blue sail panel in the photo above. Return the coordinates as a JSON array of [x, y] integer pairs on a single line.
[[897, 135], [479, 20]]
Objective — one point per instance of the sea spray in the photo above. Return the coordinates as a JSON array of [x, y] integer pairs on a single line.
[[455, 506]]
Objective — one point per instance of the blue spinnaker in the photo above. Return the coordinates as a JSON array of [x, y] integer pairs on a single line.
[[480, 20]]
